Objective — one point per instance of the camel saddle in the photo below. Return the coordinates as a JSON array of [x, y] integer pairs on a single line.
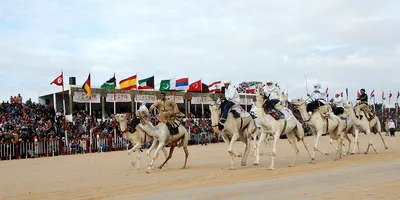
[[132, 126], [173, 126], [368, 112]]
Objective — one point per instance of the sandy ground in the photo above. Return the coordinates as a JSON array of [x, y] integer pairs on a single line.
[[110, 175]]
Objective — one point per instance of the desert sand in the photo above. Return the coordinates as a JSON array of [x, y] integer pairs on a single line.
[[111, 176]]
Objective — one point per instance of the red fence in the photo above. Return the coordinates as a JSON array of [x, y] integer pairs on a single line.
[[50, 147]]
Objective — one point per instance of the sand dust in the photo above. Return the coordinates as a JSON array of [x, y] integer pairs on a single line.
[[110, 175]]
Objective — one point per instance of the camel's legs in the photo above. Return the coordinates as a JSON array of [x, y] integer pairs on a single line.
[[154, 157], [135, 148], [171, 151], [316, 139], [273, 154], [186, 156], [230, 151], [254, 148], [246, 151], [331, 142], [356, 143], [348, 139], [260, 140], [340, 148], [378, 129], [292, 141], [305, 146], [370, 143], [155, 142]]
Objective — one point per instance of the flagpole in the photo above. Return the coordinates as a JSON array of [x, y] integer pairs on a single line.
[[245, 101], [305, 78], [383, 109], [65, 117], [115, 112]]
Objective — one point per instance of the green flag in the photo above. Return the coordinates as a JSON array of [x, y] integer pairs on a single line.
[[168, 84], [110, 84]]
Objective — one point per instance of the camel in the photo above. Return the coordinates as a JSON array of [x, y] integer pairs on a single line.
[[364, 124], [321, 123], [291, 127], [137, 138], [162, 137], [233, 129]]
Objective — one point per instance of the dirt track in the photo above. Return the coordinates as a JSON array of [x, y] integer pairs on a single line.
[[110, 176]]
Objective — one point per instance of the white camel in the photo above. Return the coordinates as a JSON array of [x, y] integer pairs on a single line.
[[162, 137], [233, 129], [137, 138], [364, 125], [291, 127], [321, 123]]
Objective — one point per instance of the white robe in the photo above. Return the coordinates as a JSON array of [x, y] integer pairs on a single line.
[[231, 94]]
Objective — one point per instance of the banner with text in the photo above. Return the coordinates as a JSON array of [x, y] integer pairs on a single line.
[[81, 97], [146, 98], [207, 100], [178, 99], [119, 97]]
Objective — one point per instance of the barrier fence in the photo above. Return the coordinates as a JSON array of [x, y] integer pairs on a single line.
[[50, 147]]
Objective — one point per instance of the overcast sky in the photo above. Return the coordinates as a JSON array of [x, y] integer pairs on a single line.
[[340, 43]]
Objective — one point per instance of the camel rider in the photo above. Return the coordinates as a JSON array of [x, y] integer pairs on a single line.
[[168, 111], [318, 97], [363, 105], [230, 99], [253, 110], [274, 95], [338, 105]]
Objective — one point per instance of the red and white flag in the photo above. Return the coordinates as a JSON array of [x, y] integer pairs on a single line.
[[58, 81], [215, 86]]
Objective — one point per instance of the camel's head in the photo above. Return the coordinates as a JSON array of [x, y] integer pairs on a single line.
[[121, 118], [347, 105], [214, 109], [297, 101], [259, 97], [143, 115]]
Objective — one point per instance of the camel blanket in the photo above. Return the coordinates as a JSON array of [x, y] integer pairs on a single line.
[[241, 111]]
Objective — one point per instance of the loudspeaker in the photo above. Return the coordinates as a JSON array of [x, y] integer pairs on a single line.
[[72, 81]]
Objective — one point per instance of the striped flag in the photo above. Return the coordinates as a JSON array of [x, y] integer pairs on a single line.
[[215, 86], [372, 94], [86, 87]]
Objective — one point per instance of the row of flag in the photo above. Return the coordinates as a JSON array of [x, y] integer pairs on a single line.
[[133, 83]]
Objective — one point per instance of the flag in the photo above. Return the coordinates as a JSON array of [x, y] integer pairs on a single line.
[[86, 87], [242, 87], [383, 95], [390, 94], [215, 86], [347, 92], [372, 94], [341, 94], [195, 86], [327, 92], [182, 84], [251, 88], [168, 84], [128, 83], [398, 95], [147, 83], [110, 84], [58, 81]]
